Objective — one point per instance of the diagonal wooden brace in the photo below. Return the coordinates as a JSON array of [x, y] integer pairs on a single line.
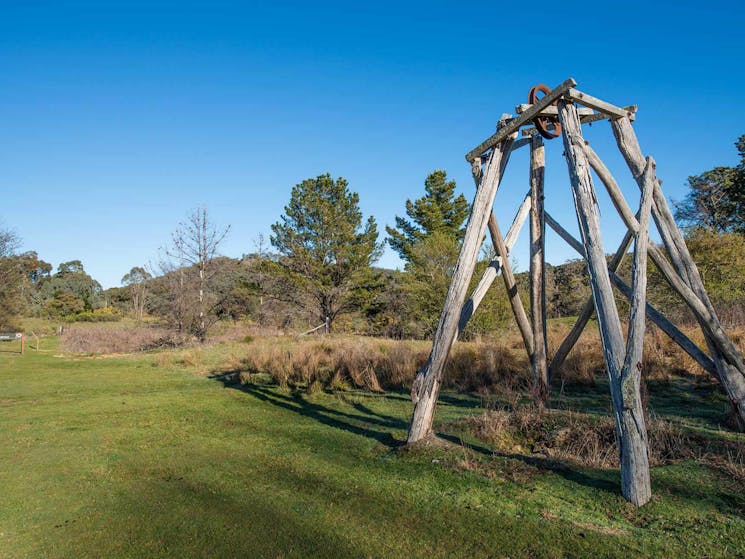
[[659, 319], [494, 267]]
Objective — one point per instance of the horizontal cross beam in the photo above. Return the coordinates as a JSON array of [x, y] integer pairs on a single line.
[[544, 107], [597, 104], [551, 110], [513, 125], [586, 119]]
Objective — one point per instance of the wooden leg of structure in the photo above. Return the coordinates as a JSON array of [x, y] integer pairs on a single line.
[[683, 341], [513, 294], [630, 427], [635, 482], [682, 274], [508, 277], [537, 277], [427, 383], [652, 314]]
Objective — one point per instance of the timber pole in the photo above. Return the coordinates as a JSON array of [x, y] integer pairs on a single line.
[[426, 387], [635, 485], [635, 482], [588, 309], [682, 274], [685, 343], [537, 271], [494, 267], [513, 294]]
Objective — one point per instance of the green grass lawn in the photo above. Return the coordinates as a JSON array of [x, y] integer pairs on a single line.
[[141, 456]]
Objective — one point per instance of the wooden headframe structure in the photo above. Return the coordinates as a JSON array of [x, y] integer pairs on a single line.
[[566, 109]]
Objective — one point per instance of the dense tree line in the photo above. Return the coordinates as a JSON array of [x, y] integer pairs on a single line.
[[323, 266]]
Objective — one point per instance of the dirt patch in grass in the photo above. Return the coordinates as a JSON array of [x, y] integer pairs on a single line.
[[429, 442], [605, 530]]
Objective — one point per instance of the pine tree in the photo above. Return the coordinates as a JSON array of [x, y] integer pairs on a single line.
[[428, 241], [326, 252], [438, 211]]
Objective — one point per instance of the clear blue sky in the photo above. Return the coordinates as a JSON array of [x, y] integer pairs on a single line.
[[117, 118]]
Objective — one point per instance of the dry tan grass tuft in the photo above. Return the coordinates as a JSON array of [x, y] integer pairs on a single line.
[[498, 365], [191, 358], [590, 440], [106, 339], [375, 364]]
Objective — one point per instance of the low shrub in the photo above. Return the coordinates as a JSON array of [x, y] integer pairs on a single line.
[[104, 314]]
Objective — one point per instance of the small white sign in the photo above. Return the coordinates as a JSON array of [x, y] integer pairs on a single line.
[[11, 336]]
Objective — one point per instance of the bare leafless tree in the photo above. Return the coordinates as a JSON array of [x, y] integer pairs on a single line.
[[171, 289], [9, 241], [194, 245]]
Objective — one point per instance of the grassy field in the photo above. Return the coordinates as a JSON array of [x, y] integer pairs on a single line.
[[151, 455]]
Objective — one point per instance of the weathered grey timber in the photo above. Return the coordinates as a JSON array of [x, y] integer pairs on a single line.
[[632, 431], [589, 308], [629, 109], [494, 267], [426, 386], [623, 358], [503, 254], [625, 395], [597, 104], [659, 319], [517, 223], [587, 119], [537, 277], [683, 277], [626, 214], [652, 313], [521, 143], [513, 294], [553, 111], [514, 125], [728, 359], [589, 224]]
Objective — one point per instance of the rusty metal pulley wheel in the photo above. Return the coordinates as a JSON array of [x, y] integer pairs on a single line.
[[542, 122]]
